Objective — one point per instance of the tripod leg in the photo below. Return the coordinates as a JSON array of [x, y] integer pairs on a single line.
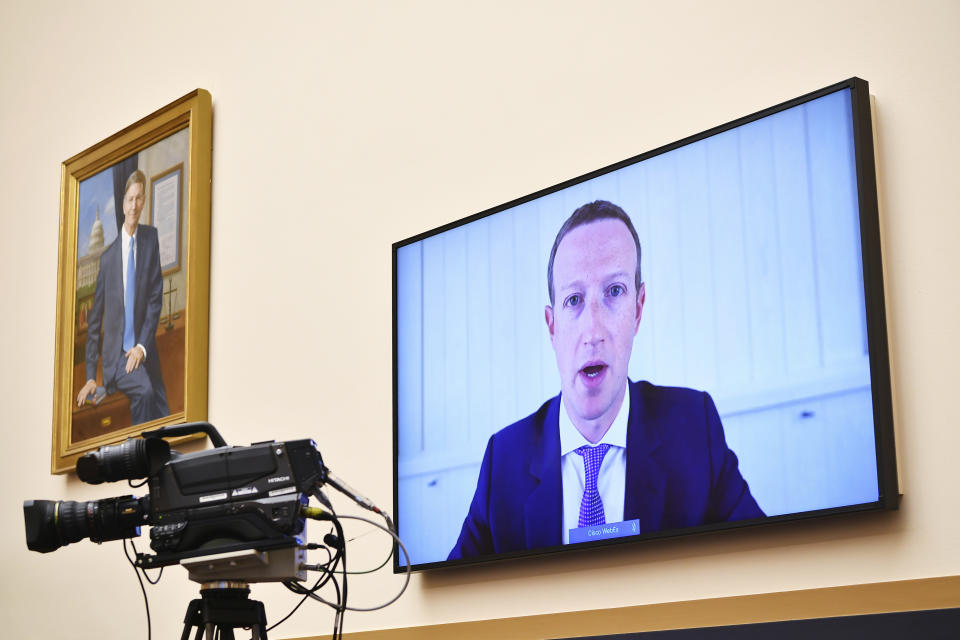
[[193, 619], [260, 628]]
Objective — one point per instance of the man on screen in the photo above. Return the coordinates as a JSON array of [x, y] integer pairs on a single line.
[[606, 450]]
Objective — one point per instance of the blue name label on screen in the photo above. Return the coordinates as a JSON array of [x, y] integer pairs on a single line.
[[605, 531]]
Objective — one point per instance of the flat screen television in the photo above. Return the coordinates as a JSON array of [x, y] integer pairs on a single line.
[[551, 394]]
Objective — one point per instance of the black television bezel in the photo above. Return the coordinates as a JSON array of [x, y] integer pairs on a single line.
[[874, 308]]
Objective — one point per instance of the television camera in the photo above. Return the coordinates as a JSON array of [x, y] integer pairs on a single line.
[[230, 515]]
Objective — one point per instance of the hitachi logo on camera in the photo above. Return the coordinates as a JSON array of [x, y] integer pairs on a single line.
[[279, 479]]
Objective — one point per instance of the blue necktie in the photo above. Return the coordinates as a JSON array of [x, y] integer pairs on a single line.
[[591, 506], [128, 339]]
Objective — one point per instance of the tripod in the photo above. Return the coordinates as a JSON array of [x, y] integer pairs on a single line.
[[222, 607]]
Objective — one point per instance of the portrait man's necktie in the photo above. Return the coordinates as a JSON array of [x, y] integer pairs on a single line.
[[128, 339], [591, 506]]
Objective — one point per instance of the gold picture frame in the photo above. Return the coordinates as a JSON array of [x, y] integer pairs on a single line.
[[161, 380]]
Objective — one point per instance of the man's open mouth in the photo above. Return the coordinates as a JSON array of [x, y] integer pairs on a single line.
[[593, 370]]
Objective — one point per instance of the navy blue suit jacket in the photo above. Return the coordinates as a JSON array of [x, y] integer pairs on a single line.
[[108, 309], [680, 473]]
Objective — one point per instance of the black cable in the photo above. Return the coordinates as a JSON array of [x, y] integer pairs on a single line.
[[321, 581], [378, 567], [146, 603], [366, 503], [287, 617], [342, 609], [324, 548], [300, 590], [375, 569], [328, 576], [336, 616], [342, 554], [159, 575], [144, 571], [340, 605], [406, 554]]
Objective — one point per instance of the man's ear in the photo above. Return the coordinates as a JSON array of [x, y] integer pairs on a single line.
[[548, 317], [641, 299]]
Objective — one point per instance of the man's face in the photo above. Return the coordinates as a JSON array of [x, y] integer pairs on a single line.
[[132, 206], [593, 321]]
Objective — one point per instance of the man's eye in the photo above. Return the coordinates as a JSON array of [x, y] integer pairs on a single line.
[[616, 290], [572, 301]]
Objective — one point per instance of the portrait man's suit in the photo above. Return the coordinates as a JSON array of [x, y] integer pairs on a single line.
[[143, 386], [680, 473]]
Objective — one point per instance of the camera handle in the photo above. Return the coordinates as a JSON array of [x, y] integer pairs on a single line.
[[188, 429], [222, 607]]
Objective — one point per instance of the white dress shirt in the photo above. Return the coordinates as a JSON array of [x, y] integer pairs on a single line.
[[612, 478]]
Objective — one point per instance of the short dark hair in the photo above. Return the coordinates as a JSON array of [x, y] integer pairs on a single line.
[[135, 178], [591, 212]]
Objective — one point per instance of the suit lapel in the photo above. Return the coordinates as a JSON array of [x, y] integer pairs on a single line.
[[138, 273], [115, 271], [646, 482], [543, 510]]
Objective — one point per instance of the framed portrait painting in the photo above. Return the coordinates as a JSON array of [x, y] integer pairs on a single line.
[[133, 286]]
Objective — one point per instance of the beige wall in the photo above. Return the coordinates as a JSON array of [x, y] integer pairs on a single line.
[[340, 128]]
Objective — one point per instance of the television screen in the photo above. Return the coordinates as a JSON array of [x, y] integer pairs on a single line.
[[690, 339]]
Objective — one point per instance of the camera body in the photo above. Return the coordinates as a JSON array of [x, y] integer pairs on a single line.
[[231, 498], [217, 501]]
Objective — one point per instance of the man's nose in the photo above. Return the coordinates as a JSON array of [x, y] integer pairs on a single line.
[[593, 323]]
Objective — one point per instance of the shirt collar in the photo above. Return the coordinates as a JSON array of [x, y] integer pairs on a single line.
[[127, 236], [616, 435]]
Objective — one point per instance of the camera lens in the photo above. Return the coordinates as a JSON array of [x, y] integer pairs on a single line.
[[51, 525], [134, 458], [39, 516]]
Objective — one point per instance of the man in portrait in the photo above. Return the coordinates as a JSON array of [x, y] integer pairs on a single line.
[[126, 305], [606, 449]]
